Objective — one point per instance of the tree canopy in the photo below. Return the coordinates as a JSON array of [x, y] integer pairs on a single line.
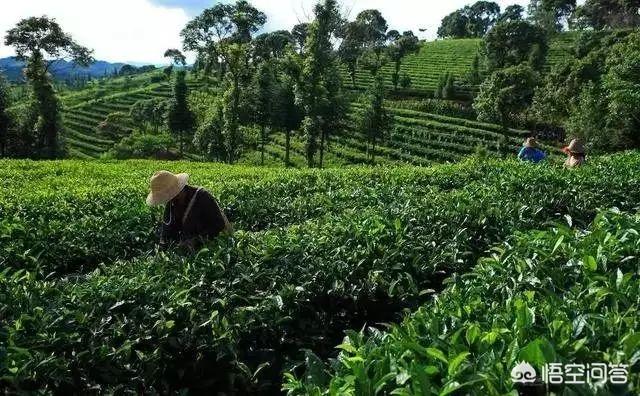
[[470, 21], [514, 42], [44, 36], [505, 94], [176, 56], [551, 15], [215, 28], [608, 14]]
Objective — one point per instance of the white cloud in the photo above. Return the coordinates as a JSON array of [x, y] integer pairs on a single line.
[[118, 30]]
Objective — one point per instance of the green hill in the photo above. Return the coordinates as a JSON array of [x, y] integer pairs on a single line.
[[452, 55], [86, 112], [425, 68], [418, 138]]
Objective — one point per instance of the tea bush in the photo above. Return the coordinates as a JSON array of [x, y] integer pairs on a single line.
[[556, 296], [88, 305]]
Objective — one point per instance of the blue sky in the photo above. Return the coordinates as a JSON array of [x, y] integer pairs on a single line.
[[141, 30], [193, 7]]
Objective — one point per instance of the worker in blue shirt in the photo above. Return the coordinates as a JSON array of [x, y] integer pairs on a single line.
[[530, 152]]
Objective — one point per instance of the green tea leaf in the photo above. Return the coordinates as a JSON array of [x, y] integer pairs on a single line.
[[437, 354], [589, 262]]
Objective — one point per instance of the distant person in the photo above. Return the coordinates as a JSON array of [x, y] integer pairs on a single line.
[[191, 215], [530, 152], [576, 154]]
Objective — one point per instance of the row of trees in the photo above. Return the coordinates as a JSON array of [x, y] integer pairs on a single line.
[[368, 44], [287, 80], [550, 15]]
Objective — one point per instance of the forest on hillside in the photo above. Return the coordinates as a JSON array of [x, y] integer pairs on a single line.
[[303, 83]]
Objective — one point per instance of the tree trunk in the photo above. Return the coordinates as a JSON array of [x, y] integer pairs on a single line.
[[287, 149], [373, 152], [323, 137], [235, 106], [367, 149], [263, 138], [181, 143]]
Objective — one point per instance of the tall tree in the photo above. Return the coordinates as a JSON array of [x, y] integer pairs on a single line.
[[39, 41], [264, 88], [247, 20], [271, 45], [373, 28], [291, 114], [513, 12], [482, 16], [609, 14], [351, 48], [236, 56], [454, 25], [34, 39], [470, 21], [300, 33], [551, 15], [622, 81], [209, 137], [376, 121], [5, 120], [401, 46], [180, 119], [176, 56], [319, 63], [150, 112], [514, 42], [505, 94], [219, 26]]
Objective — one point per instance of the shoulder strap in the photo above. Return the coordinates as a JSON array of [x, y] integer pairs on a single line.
[[191, 203]]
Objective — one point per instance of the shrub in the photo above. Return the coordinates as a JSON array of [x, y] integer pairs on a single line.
[[143, 145], [405, 81]]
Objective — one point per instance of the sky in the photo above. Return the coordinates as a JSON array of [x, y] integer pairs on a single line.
[[139, 31]]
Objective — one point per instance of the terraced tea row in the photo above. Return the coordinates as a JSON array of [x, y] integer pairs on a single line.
[[417, 138], [81, 121], [425, 68], [455, 56]]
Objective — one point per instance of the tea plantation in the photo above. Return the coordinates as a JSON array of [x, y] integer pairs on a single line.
[[455, 56], [418, 137], [90, 306], [84, 112]]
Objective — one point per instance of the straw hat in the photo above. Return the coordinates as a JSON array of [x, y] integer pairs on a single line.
[[165, 186], [530, 142], [575, 147]]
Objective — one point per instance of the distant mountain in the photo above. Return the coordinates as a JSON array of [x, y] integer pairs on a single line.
[[60, 69]]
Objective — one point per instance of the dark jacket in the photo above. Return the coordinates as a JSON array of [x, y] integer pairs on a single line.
[[204, 221]]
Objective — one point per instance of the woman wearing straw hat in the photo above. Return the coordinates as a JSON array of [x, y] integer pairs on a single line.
[[530, 152], [191, 215], [576, 154]]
